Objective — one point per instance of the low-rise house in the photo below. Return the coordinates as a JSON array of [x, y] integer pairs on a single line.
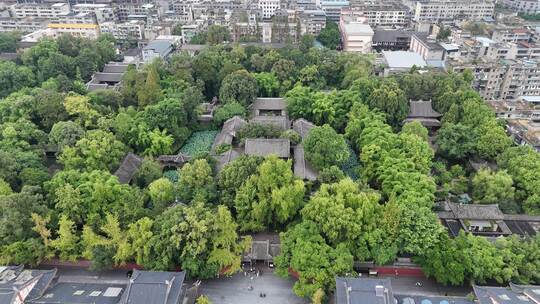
[[81, 293], [351, 290], [391, 40], [109, 79], [270, 112], [514, 294], [264, 247], [154, 287], [18, 285], [157, 49], [127, 169], [356, 37], [302, 168], [422, 111], [401, 61], [486, 220], [268, 146], [364, 290]]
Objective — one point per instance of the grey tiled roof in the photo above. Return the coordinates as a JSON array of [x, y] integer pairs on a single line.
[[476, 211], [115, 68], [268, 146], [281, 122], [363, 290], [422, 108], [108, 77], [128, 167], [302, 127], [154, 287], [302, 168], [269, 104]]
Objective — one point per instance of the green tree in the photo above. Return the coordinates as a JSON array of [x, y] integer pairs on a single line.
[[203, 300], [67, 243], [233, 176], [14, 77], [161, 193], [329, 36], [345, 214], [493, 187], [389, 98], [300, 102], [455, 141], [5, 188], [239, 86], [217, 34], [8, 41], [15, 215], [325, 148], [304, 251], [150, 92], [149, 171], [102, 258], [268, 84], [96, 150], [272, 196], [416, 128], [492, 140], [80, 107], [196, 182], [65, 134], [306, 42], [228, 110]]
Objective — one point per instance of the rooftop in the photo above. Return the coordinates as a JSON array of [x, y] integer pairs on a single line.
[[355, 28], [504, 295], [403, 59], [160, 46], [269, 104], [154, 287], [128, 168], [476, 211], [268, 146], [81, 293], [364, 290]]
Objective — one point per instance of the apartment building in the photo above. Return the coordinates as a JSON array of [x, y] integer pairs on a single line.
[[523, 6], [502, 79], [124, 31], [84, 30], [356, 37], [46, 11], [333, 8], [507, 34], [390, 14], [313, 20], [26, 25], [428, 48], [102, 12], [522, 78], [450, 10], [269, 7]]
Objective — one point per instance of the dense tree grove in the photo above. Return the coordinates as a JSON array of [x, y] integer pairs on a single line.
[[374, 199]]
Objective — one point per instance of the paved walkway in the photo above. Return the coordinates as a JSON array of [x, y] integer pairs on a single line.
[[235, 290], [428, 287]]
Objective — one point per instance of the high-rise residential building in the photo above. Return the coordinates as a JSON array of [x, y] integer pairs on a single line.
[[523, 6], [356, 36], [390, 14], [269, 7], [451, 10], [46, 11], [333, 8]]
